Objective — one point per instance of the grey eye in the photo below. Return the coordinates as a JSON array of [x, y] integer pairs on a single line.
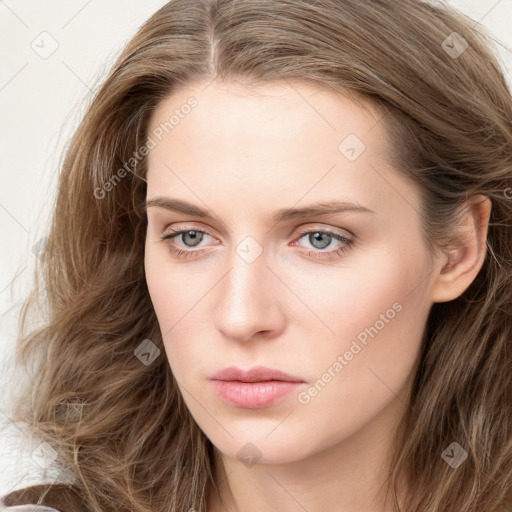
[[315, 239], [193, 236]]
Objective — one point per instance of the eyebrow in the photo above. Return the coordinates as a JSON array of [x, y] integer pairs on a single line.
[[323, 208]]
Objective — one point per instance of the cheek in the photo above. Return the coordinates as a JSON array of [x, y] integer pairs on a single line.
[[172, 290], [176, 297], [361, 374], [378, 312], [364, 290]]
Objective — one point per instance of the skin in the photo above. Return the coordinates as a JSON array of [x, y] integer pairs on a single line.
[[243, 153]]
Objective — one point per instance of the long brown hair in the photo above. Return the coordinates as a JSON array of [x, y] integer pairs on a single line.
[[121, 426]]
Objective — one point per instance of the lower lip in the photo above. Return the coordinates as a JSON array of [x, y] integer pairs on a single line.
[[254, 395]]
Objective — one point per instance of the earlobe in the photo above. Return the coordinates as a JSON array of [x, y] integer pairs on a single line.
[[459, 267]]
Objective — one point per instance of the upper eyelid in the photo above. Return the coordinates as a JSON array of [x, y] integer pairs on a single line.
[[300, 230]]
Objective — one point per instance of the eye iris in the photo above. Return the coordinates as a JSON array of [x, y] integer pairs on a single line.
[[196, 237], [317, 237]]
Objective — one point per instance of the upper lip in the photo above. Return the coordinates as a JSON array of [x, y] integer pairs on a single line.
[[254, 374]]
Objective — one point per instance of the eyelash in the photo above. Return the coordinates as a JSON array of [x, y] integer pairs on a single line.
[[347, 243]]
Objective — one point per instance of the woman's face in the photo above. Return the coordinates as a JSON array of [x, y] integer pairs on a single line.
[[308, 259]]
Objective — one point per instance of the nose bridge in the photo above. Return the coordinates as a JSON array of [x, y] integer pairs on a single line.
[[247, 279], [248, 303]]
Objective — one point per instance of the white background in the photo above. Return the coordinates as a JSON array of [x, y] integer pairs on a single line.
[[41, 102]]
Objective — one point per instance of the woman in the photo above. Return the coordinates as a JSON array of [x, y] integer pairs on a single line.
[[279, 268]]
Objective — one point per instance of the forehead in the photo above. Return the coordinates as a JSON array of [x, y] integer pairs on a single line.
[[304, 99], [279, 141], [285, 117]]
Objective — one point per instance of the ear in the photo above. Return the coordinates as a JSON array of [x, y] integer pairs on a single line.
[[459, 267]]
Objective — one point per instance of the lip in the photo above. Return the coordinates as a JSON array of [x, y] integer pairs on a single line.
[[255, 388], [254, 374]]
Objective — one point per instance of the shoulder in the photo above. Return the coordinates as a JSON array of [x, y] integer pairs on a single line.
[[43, 498]]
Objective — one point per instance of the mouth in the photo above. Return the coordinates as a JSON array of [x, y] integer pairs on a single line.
[[255, 388], [255, 374]]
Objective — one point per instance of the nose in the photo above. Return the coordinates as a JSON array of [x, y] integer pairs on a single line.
[[250, 300]]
